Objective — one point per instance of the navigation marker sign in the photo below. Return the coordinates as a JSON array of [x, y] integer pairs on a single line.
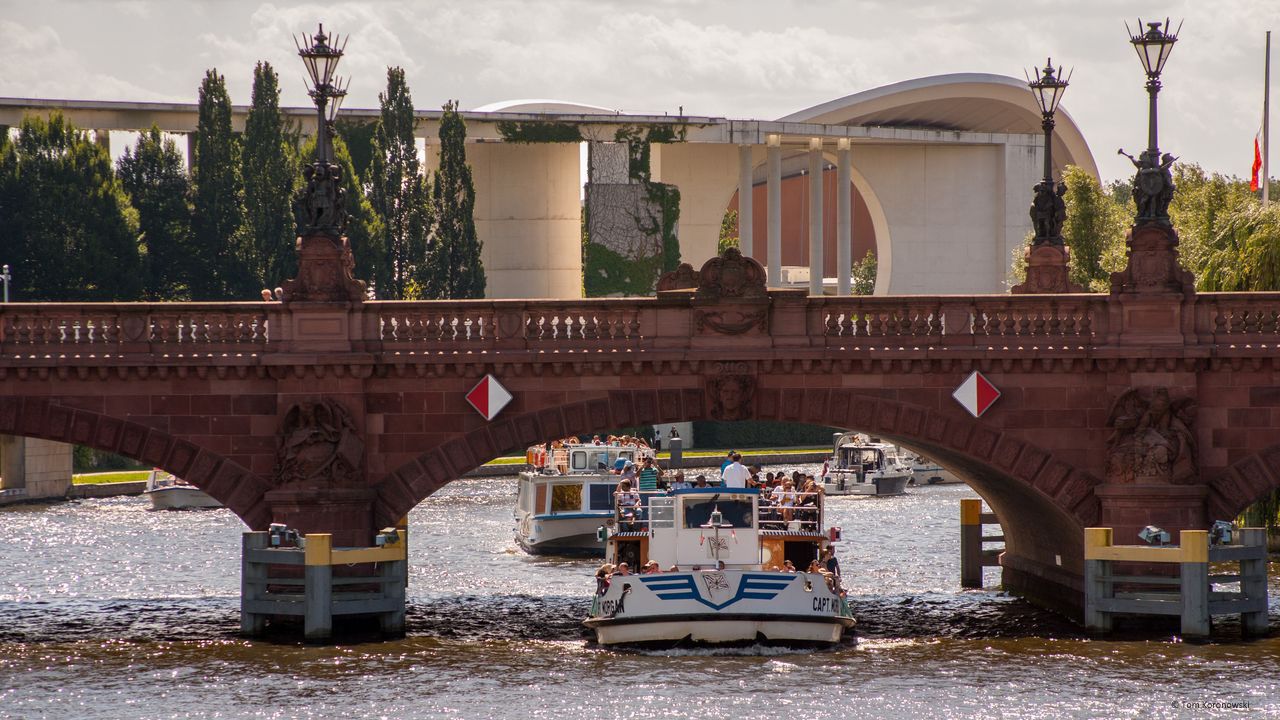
[[488, 397], [976, 394]]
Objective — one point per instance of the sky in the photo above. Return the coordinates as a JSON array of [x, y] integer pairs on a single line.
[[725, 58]]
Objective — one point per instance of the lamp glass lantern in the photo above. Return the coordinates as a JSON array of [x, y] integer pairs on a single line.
[[1049, 88], [321, 58], [1154, 46]]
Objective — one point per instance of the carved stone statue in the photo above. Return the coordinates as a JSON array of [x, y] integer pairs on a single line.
[[731, 396], [731, 276], [319, 447], [1152, 439], [323, 200], [1048, 212], [684, 277], [1152, 186]]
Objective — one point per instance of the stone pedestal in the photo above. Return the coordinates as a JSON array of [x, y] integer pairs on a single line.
[[1047, 271], [1127, 508], [344, 512]]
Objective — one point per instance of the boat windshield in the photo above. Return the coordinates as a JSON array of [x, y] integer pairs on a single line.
[[736, 512], [855, 457]]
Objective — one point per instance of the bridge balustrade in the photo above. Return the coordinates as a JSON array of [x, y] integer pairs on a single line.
[[113, 328], [1082, 320]]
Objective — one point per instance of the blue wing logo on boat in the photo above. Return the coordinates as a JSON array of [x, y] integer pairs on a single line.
[[682, 587]]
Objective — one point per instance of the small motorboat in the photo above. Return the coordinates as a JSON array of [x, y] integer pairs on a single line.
[[170, 493], [927, 472], [720, 571], [865, 466]]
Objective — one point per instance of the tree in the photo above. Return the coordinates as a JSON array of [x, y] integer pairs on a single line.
[[364, 228], [454, 269], [1244, 253], [155, 178], [66, 225], [1094, 230], [864, 274], [222, 253], [728, 232], [270, 175], [398, 191]]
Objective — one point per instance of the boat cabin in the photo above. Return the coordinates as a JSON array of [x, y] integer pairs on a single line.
[[698, 528]]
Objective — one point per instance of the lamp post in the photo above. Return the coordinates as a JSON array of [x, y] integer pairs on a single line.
[[6, 277], [323, 199], [1153, 184], [1048, 209]]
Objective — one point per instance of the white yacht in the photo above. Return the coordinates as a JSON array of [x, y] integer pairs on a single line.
[[865, 466], [719, 573], [170, 493], [927, 472], [566, 494]]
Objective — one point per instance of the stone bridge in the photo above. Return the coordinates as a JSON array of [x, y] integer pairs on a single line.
[[1152, 404]]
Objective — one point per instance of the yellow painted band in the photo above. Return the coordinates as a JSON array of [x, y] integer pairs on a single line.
[[970, 511], [319, 548]]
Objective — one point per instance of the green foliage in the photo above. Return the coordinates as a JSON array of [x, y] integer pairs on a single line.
[[864, 274], [606, 273], [759, 433], [66, 226], [364, 227], [223, 251], [398, 191], [1244, 252], [454, 269], [270, 173], [357, 134], [539, 132], [1201, 205], [666, 223], [155, 178], [728, 232], [86, 460], [1094, 230]]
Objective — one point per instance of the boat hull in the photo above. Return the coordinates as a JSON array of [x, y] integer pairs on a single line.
[[729, 607], [572, 536], [878, 486], [180, 498]]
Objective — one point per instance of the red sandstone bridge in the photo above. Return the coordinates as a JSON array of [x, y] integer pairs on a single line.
[[1149, 405]]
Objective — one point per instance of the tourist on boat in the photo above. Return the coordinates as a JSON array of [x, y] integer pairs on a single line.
[[735, 475], [678, 482], [788, 566], [629, 472], [814, 566], [700, 481], [652, 568], [829, 560], [648, 476], [602, 578], [622, 569], [728, 460], [786, 499], [595, 440]]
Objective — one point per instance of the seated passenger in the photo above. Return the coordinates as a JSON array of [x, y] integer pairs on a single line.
[[674, 568], [788, 566], [814, 566], [651, 568], [700, 481], [622, 569], [678, 481], [602, 578]]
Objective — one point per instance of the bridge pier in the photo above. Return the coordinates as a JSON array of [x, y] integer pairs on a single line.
[[344, 512]]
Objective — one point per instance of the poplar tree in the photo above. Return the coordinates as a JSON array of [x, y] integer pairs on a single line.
[[454, 268], [217, 200], [270, 176], [398, 192], [66, 226], [154, 176]]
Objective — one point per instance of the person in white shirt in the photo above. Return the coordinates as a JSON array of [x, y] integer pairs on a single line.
[[735, 475]]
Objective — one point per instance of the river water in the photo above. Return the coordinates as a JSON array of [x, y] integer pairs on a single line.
[[109, 610]]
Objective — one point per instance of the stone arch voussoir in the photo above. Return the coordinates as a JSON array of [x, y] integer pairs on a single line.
[[1244, 483], [60, 421]]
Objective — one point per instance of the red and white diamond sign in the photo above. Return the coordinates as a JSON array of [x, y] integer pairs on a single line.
[[976, 394], [488, 397]]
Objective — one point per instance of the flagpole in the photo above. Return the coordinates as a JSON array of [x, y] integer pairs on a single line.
[[1266, 126]]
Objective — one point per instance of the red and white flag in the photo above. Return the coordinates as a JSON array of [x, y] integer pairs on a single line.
[[1257, 161]]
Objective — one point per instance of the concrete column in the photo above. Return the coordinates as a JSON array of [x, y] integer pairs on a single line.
[[774, 188], [13, 457], [746, 237], [815, 216], [844, 218]]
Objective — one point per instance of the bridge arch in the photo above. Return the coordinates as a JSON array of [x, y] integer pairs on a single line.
[[1043, 500], [61, 421], [1244, 483]]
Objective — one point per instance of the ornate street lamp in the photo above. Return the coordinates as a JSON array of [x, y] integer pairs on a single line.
[[1153, 184], [1048, 210], [323, 200]]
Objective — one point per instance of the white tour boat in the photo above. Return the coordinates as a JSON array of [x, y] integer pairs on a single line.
[[169, 493], [566, 495], [863, 466], [927, 472], [723, 576]]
